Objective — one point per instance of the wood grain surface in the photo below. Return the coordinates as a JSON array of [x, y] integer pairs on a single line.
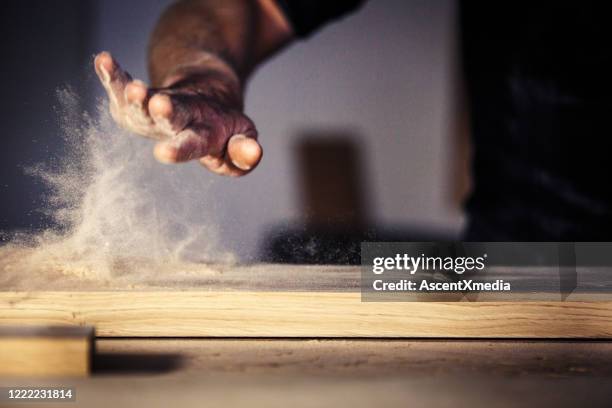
[[300, 314]]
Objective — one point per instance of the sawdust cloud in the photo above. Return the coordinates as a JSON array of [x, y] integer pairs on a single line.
[[119, 216]]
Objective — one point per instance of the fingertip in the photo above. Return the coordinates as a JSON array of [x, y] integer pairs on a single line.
[[165, 153], [104, 58], [104, 63], [244, 152], [212, 163], [160, 106], [136, 92]]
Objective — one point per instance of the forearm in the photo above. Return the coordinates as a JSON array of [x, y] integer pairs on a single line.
[[217, 41]]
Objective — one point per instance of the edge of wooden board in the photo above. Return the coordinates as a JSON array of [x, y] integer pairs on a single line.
[[300, 314]]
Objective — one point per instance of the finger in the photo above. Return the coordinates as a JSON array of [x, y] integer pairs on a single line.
[[244, 152], [136, 93], [213, 163], [221, 166], [242, 156], [137, 117], [113, 78], [162, 111], [185, 146]]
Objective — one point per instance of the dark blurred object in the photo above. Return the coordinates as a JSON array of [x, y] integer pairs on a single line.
[[332, 186], [335, 214], [538, 80], [44, 47], [325, 246], [136, 363]]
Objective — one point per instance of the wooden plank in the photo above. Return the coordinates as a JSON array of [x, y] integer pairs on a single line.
[[46, 351], [301, 314]]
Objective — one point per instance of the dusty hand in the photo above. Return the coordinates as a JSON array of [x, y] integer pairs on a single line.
[[188, 120]]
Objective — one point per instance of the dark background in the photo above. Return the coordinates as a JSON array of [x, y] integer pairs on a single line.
[[45, 44]]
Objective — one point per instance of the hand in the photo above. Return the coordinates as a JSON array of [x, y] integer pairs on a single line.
[[193, 118]]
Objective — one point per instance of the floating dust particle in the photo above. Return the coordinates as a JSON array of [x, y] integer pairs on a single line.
[[120, 218]]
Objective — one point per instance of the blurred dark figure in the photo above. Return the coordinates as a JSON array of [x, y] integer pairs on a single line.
[[538, 76]]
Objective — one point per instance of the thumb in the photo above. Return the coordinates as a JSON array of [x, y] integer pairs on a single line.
[[244, 152]]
